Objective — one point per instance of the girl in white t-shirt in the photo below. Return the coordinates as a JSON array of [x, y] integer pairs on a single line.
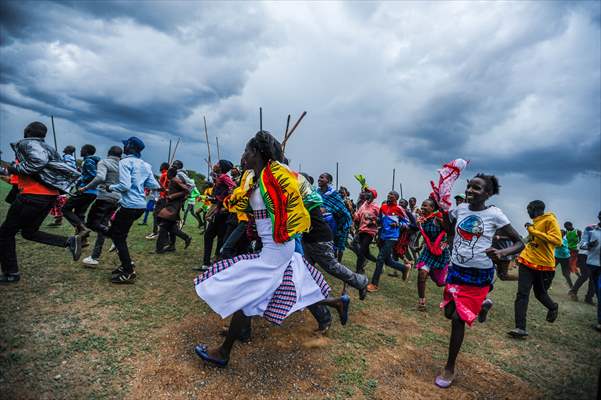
[[472, 226]]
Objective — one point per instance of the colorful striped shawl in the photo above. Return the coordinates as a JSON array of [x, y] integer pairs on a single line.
[[280, 188]]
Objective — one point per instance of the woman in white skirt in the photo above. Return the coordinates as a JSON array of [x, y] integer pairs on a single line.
[[277, 281]]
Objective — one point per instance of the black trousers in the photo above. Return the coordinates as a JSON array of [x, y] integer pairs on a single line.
[[119, 230], [565, 269], [76, 206], [539, 281], [26, 214], [585, 274], [236, 242], [365, 240], [100, 215], [216, 229], [168, 231], [98, 220], [12, 194]]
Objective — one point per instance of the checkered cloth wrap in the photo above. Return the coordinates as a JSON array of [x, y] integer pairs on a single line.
[[260, 214], [470, 276], [283, 299], [223, 265], [318, 277], [432, 229]]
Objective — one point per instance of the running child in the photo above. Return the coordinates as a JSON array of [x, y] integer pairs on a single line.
[[471, 270]]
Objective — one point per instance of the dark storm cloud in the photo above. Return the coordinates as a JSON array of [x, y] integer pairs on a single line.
[[47, 48], [557, 164], [444, 128], [509, 87]]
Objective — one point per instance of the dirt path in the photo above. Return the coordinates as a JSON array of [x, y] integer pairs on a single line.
[[292, 362]]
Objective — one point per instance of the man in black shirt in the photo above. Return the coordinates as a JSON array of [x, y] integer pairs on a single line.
[[318, 245]]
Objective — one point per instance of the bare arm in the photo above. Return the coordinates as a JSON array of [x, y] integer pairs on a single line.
[[512, 235]]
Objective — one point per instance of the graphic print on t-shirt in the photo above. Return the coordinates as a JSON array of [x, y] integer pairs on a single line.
[[469, 231]]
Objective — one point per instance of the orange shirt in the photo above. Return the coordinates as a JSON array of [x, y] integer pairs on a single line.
[[164, 182], [534, 266], [28, 185]]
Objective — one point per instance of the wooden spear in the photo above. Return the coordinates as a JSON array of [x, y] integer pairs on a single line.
[[260, 118], [53, 132], [172, 158], [289, 134], [169, 155], [337, 176], [218, 152], [287, 126], [207, 139]]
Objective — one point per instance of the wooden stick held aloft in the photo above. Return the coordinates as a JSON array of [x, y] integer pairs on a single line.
[[53, 132], [207, 139], [289, 134], [172, 158], [287, 127]]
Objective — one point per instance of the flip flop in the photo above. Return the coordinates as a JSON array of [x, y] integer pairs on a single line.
[[201, 351], [443, 382], [346, 300]]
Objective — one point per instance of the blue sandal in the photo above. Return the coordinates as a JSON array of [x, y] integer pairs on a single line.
[[201, 351], [346, 300]]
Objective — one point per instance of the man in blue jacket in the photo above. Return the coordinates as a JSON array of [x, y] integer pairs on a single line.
[[135, 175]]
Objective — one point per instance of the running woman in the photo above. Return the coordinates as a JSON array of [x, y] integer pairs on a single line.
[[434, 258], [277, 281], [471, 270]]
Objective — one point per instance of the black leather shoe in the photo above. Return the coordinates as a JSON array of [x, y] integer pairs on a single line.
[[168, 249], [363, 293], [74, 244], [6, 279], [552, 314]]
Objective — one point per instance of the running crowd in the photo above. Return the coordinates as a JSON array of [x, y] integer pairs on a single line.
[[272, 226]]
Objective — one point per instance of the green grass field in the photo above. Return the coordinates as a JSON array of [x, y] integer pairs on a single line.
[[67, 332]]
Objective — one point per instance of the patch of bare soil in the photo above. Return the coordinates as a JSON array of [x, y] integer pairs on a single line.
[[406, 372], [280, 362], [293, 362]]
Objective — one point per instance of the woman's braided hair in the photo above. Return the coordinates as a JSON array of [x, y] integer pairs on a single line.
[[267, 146]]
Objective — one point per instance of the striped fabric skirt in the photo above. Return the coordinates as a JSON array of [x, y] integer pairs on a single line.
[[273, 283]]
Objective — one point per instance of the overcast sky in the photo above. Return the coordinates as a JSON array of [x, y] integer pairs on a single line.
[[512, 86]]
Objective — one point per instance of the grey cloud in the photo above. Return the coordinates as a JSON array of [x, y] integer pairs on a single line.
[[207, 76], [557, 164], [372, 73]]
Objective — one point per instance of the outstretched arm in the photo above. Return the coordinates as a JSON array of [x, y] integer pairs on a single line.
[[101, 171], [124, 179], [512, 235]]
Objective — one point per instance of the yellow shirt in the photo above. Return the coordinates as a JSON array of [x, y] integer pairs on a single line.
[[544, 236]]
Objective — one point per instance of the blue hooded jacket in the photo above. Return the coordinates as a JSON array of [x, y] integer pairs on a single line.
[[88, 172]]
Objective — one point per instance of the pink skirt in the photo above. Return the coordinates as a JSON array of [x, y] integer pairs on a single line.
[[468, 300], [439, 276]]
